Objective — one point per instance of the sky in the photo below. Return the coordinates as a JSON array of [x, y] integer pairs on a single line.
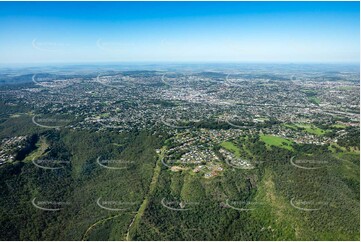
[[83, 32]]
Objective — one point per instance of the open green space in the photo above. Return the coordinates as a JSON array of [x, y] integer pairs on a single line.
[[231, 147], [314, 100], [309, 128], [271, 140], [41, 147], [338, 126], [312, 129]]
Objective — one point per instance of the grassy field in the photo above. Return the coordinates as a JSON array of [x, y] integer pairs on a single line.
[[338, 126], [312, 129], [41, 145], [290, 126], [309, 128], [231, 147], [314, 100], [277, 141]]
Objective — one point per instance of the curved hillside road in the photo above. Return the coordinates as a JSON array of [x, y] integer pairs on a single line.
[[96, 223]]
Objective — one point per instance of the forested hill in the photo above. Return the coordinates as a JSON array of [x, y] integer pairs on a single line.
[[86, 200]]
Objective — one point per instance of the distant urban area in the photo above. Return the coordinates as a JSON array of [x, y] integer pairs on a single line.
[[261, 140]]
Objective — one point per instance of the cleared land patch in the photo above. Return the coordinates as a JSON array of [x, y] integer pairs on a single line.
[[231, 147], [271, 140]]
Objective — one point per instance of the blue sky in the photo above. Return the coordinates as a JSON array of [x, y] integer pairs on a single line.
[[68, 32]]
